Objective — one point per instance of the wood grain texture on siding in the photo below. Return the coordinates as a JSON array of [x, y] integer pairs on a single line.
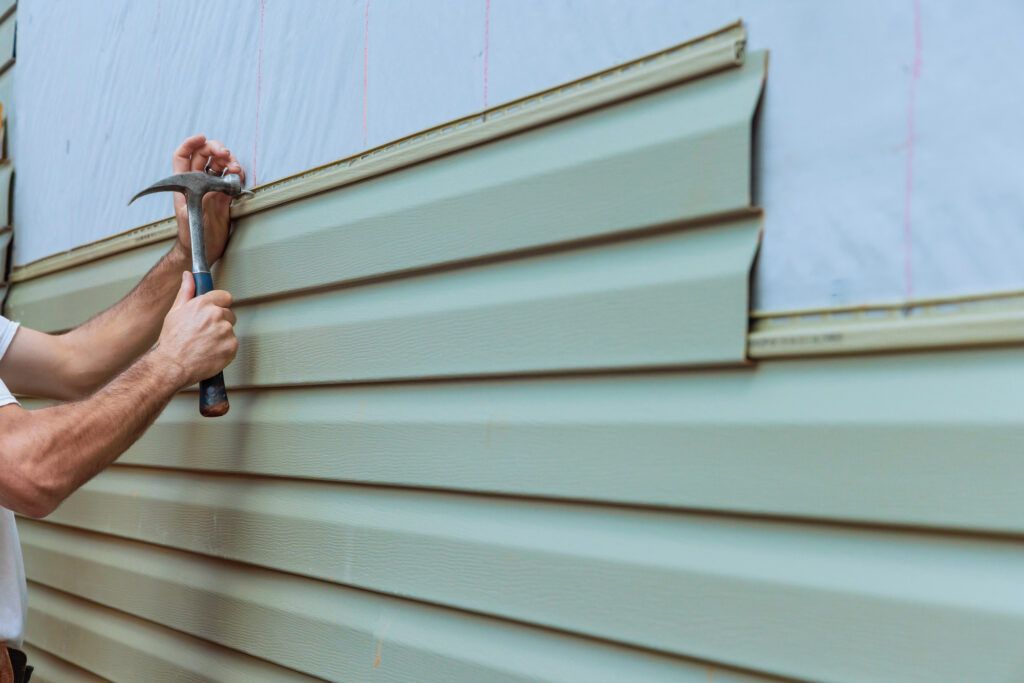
[[680, 155], [120, 647], [573, 309], [785, 598], [675, 299], [842, 439], [348, 635]]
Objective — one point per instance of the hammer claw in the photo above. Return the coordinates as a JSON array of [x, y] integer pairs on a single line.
[[194, 184]]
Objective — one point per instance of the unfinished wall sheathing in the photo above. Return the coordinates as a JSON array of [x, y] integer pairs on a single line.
[[889, 147]]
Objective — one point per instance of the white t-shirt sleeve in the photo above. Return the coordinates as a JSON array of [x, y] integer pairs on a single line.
[[7, 330], [12, 570]]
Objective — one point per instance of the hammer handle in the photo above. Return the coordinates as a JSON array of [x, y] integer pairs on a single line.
[[213, 397]]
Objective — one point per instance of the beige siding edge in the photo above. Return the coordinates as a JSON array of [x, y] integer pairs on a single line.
[[721, 49], [955, 322]]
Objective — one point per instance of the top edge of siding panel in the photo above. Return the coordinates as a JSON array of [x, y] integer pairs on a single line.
[[63, 300], [248, 608], [120, 647], [718, 50], [675, 156]]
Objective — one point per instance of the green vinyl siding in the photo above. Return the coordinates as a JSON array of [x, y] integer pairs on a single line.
[[454, 451], [347, 634], [493, 419], [846, 440], [125, 648]]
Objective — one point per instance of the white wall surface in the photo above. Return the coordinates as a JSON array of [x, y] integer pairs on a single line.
[[890, 134]]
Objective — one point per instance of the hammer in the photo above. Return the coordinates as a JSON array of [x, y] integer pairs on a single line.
[[213, 397]]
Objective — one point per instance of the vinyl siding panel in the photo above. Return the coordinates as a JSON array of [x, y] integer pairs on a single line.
[[349, 634], [779, 595], [844, 440], [119, 647], [511, 317]]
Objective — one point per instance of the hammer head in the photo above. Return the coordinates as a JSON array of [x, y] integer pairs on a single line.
[[196, 184]]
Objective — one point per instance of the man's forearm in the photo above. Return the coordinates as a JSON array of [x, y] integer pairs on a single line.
[[51, 452], [111, 340]]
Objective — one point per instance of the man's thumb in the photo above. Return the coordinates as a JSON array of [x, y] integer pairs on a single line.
[[186, 291]]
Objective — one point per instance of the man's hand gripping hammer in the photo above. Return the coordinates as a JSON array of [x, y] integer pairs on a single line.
[[213, 397]]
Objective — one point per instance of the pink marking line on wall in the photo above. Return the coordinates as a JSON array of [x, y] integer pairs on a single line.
[[487, 44], [259, 92], [366, 52], [908, 188]]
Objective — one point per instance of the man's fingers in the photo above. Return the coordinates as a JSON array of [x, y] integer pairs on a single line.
[[230, 317], [200, 156], [183, 155], [213, 154], [234, 166], [196, 153], [186, 291], [218, 297]]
